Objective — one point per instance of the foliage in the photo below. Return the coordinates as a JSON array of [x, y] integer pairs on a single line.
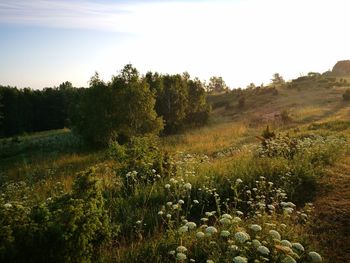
[[122, 108], [141, 162], [277, 79], [58, 141], [67, 228], [216, 85], [241, 102], [331, 125], [27, 110], [346, 95], [180, 101]]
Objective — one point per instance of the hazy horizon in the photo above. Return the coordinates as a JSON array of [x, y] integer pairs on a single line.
[[44, 43]]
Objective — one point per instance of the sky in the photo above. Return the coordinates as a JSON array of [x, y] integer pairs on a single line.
[[46, 42]]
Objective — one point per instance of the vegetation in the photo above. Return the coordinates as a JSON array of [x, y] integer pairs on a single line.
[[238, 189]]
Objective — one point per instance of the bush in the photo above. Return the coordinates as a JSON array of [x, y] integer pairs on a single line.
[[69, 228], [346, 95], [241, 102], [141, 162]]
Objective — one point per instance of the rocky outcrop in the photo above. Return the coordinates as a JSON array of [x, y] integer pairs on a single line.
[[341, 68]]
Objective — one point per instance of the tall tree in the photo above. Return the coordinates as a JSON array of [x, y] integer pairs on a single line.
[[216, 84], [122, 108]]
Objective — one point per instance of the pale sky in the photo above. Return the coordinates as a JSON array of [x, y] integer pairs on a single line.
[[43, 43]]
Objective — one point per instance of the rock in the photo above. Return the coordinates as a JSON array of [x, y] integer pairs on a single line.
[[341, 68]]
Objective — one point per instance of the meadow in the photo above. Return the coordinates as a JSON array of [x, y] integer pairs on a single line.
[[260, 182]]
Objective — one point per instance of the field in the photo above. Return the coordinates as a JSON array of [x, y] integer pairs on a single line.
[[231, 191]]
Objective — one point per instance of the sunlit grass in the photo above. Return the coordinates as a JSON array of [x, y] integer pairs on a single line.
[[208, 139]]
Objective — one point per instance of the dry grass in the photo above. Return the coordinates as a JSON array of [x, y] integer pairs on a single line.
[[207, 140], [332, 206]]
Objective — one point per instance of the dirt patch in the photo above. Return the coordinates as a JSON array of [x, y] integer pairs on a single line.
[[331, 229]]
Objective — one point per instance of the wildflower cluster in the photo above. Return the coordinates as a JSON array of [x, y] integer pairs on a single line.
[[258, 233]]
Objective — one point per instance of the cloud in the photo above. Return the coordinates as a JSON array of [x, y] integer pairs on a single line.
[[63, 14]]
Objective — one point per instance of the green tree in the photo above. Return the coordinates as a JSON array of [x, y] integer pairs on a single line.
[[173, 102], [93, 116], [198, 109], [119, 109], [216, 84], [134, 111]]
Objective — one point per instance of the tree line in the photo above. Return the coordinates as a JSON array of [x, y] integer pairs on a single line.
[[128, 105]]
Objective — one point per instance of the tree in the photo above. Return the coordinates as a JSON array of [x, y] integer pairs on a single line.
[[172, 102], [277, 79], [93, 116], [120, 109], [198, 108], [135, 111], [216, 84]]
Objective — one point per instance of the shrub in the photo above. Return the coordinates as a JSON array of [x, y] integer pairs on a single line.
[[241, 102], [346, 95], [69, 228], [141, 161]]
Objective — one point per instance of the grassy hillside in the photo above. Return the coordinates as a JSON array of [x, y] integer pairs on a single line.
[[223, 172]]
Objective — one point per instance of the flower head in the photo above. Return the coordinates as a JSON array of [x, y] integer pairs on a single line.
[[275, 235], [241, 237], [263, 250], [181, 256], [200, 234], [191, 225], [225, 233], [211, 230], [183, 229], [240, 259], [298, 246], [315, 257], [181, 249], [255, 228]]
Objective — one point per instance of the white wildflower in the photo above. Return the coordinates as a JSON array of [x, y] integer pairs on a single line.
[[183, 229], [7, 205], [255, 228], [188, 186], [241, 237], [256, 243], [225, 221], [315, 257], [225, 233], [211, 230], [181, 256], [263, 250], [200, 234], [286, 243], [275, 235], [191, 225], [181, 249], [240, 259], [298, 246], [226, 216]]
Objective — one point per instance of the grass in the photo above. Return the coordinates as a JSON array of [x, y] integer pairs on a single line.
[[211, 159]]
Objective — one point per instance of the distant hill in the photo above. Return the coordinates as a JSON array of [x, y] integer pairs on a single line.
[[341, 68]]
